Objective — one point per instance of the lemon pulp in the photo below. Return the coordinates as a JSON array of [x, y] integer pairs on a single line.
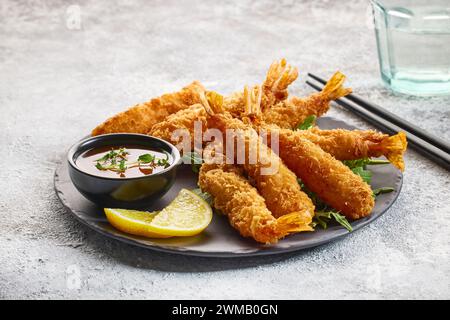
[[187, 215]]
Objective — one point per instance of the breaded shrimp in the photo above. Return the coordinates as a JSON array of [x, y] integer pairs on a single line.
[[275, 182], [246, 210], [289, 113], [329, 178], [183, 119], [340, 143], [141, 117], [355, 144]]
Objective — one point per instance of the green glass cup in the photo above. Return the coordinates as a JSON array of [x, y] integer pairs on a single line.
[[413, 40]]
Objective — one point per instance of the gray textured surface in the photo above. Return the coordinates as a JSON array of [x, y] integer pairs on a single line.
[[57, 82]]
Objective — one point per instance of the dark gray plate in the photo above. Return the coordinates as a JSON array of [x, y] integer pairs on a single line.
[[220, 239]]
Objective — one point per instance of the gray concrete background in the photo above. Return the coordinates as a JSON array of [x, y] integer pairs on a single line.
[[57, 82]]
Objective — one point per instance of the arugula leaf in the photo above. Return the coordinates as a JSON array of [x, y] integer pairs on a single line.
[[363, 162], [322, 218], [355, 163], [382, 190], [146, 158], [342, 220], [358, 166], [308, 123], [366, 175], [374, 162]]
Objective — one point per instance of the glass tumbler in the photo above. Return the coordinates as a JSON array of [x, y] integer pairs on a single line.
[[413, 40]]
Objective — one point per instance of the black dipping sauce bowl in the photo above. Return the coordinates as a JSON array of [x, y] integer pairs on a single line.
[[133, 192]]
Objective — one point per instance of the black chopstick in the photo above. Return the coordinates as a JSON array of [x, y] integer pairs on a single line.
[[421, 146], [402, 123]]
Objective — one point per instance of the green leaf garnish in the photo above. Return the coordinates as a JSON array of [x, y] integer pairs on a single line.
[[342, 220], [374, 162], [146, 158], [358, 166], [366, 175], [308, 123], [116, 160], [99, 166], [363, 162], [163, 163], [378, 191], [322, 218], [122, 166]]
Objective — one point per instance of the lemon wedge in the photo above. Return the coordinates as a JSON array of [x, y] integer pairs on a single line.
[[133, 222], [187, 215]]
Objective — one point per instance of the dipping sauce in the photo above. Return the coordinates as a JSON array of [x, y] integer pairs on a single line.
[[127, 161]]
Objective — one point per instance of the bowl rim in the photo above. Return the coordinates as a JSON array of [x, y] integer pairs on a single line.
[[76, 146]]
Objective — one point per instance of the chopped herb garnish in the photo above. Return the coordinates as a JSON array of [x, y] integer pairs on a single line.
[[122, 165], [146, 158], [163, 163], [308, 123], [116, 160], [99, 166]]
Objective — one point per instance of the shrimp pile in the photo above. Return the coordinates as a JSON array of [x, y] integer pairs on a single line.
[[279, 188], [266, 207]]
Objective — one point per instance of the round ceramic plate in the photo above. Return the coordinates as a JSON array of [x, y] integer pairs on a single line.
[[220, 239]]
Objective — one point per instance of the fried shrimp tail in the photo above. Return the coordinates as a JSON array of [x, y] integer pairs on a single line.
[[245, 208], [279, 76], [356, 144], [334, 88], [275, 182], [141, 117], [393, 148], [274, 88], [288, 114]]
